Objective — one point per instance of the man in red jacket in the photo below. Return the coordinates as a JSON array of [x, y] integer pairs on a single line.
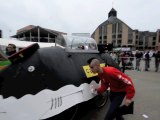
[[121, 86]]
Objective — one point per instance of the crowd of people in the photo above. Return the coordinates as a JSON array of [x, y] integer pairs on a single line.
[[125, 59]]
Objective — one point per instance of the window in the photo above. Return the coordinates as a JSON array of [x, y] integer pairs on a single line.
[[130, 35], [119, 41], [140, 43], [119, 27], [154, 38], [113, 36], [104, 41], [153, 43], [105, 29], [130, 41], [120, 36], [114, 42], [100, 30], [114, 28], [105, 37]]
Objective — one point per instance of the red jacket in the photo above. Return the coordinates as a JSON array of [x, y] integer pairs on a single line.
[[117, 81]]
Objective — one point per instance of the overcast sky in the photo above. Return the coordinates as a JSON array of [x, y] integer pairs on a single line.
[[77, 16]]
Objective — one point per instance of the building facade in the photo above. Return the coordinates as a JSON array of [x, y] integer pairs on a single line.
[[158, 39], [116, 32], [0, 33], [37, 34]]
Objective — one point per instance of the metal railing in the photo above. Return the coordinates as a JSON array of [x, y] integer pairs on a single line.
[[132, 63]]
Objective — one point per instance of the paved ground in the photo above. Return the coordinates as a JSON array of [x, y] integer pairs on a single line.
[[147, 99]]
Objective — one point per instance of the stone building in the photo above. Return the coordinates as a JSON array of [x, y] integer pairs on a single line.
[[115, 31], [0, 33], [158, 39], [37, 34]]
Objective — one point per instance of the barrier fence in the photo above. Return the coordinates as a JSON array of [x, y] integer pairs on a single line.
[[131, 63]]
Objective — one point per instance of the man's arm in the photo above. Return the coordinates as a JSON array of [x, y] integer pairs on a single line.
[[103, 87]]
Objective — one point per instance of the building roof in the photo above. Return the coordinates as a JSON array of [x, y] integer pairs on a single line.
[[112, 12], [33, 29], [112, 19], [29, 27]]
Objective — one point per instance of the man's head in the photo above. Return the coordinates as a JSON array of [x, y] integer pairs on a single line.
[[11, 47], [94, 65]]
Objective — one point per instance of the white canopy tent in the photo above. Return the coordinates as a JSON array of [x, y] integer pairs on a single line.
[[23, 44], [122, 49]]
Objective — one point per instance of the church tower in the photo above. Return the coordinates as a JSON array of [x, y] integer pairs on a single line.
[[112, 13]]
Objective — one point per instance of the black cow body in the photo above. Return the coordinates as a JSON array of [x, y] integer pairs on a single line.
[[47, 70]]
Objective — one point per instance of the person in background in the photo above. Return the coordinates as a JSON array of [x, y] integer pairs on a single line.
[[10, 49], [157, 60], [138, 56], [121, 86], [118, 57], [147, 60], [124, 59], [114, 56]]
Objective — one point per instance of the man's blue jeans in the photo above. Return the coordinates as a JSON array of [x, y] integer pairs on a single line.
[[116, 99]]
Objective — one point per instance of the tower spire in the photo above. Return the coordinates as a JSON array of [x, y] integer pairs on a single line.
[[112, 13], [112, 4]]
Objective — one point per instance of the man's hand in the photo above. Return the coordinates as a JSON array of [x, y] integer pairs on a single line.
[[93, 89], [127, 102]]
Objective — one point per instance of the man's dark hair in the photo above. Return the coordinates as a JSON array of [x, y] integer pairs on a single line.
[[13, 45], [90, 60]]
